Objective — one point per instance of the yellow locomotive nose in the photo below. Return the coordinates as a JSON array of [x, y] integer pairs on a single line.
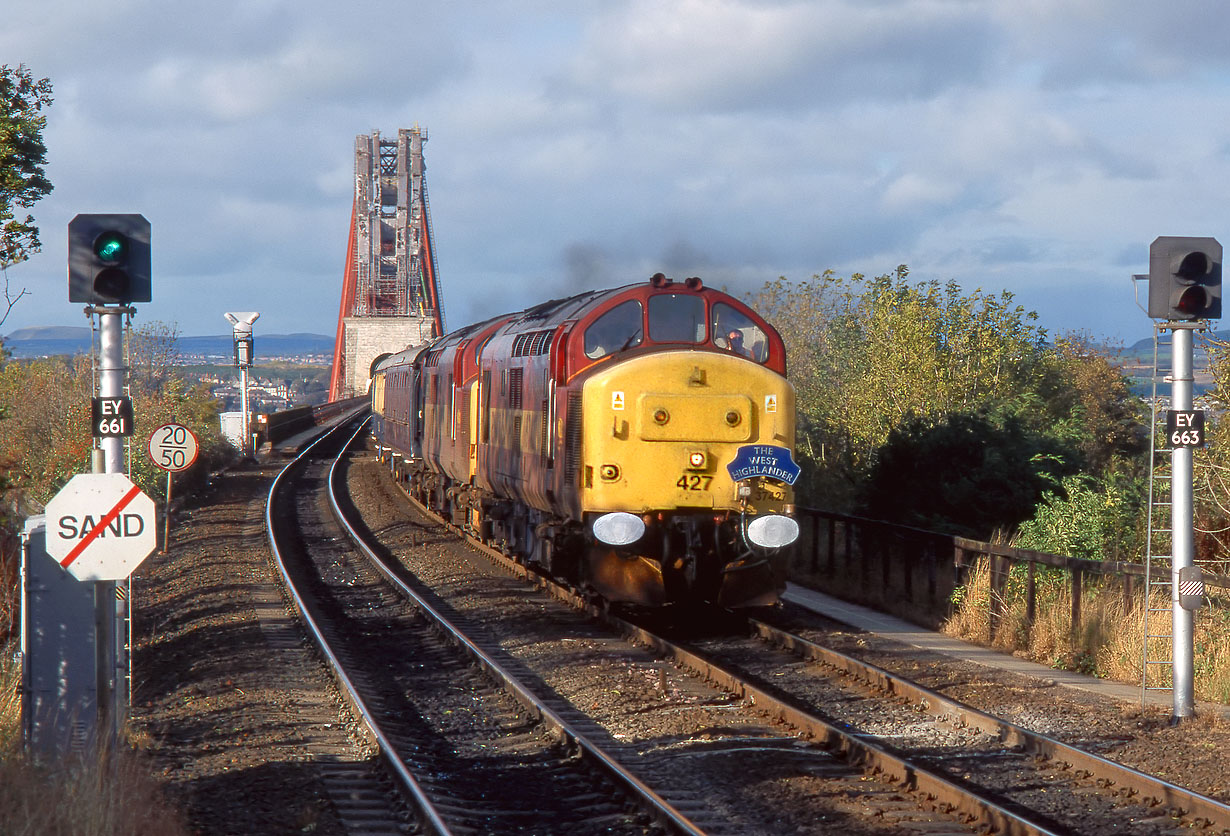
[[666, 427]]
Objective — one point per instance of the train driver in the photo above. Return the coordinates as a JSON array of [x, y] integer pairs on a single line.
[[734, 342]]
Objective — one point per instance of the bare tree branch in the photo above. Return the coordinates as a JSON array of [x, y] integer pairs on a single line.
[[9, 299]]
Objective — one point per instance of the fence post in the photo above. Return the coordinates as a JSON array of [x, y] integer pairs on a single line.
[[848, 547], [864, 564], [1031, 596], [1076, 601], [995, 563], [907, 566], [883, 542], [832, 545], [815, 543], [932, 559]]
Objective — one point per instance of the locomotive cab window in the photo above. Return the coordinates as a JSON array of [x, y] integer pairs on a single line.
[[737, 332], [616, 330], [676, 318]]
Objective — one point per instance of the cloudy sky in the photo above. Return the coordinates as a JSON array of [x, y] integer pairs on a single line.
[[1036, 146]]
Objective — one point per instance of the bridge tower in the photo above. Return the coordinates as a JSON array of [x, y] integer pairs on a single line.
[[390, 290]]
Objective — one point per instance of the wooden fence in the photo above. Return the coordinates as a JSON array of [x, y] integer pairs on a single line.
[[913, 572]]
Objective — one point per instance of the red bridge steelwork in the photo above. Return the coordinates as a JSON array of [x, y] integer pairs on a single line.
[[390, 287]]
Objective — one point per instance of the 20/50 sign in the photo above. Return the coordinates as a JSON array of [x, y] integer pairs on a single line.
[[1185, 428], [173, 447]]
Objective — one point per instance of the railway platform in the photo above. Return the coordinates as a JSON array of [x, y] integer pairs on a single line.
[[896, 629]]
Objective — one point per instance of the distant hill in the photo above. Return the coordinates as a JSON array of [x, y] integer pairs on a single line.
[[62, 339], [51, 332], [1142, 350]]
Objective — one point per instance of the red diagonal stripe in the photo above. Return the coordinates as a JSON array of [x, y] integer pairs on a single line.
[[101, 527]]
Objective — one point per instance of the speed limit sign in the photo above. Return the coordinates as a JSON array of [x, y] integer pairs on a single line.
[[173, 447]]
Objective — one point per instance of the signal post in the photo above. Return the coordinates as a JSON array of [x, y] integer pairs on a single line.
[[1185, 292], [109, 268]]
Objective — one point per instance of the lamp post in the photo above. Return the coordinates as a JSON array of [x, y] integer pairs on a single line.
[[242, 324]]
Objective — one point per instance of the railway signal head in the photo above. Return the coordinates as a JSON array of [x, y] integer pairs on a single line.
[[1184, 278], [109, 259]]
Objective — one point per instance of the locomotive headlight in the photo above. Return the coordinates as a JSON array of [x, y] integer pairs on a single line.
[[609, 472], [772, 531], [619, 528], [696, 461]]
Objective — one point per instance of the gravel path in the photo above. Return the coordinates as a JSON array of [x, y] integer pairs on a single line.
[[238, 716]]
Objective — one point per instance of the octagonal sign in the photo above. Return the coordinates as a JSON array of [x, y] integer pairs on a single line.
[[100, 526]]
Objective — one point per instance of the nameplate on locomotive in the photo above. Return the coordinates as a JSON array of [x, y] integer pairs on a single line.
[[754, 460]]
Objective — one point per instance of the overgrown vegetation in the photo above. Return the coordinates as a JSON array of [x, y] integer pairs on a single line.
[[924, 404], [45, 437], [99, 796], [1109, 641]]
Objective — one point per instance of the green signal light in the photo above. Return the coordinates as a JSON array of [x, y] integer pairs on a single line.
[[110, 247]]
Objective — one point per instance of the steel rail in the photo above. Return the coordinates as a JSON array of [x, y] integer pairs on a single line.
[[1173, 795], [428, 813], [662, 808], [871, 756]]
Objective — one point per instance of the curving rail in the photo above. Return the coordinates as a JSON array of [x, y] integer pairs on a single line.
[[1149, 786], [658, 805], [651, 801], [998, 817], [430, 816]]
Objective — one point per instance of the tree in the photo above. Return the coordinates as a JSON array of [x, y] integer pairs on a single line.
[[924, 403], [963, 473], [865, 355], [22, 157], [46, 438], [155, 354], [1088, 398]]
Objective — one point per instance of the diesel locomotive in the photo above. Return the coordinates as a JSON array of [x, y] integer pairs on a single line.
[[636, 441]]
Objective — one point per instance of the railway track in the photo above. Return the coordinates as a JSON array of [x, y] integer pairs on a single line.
[[865, 753], [709, 756], [463, 739], [1009, 778]]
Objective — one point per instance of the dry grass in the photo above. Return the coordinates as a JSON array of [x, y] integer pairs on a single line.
[[10, 701], [1109, 642], [98, 797], [84, 799]]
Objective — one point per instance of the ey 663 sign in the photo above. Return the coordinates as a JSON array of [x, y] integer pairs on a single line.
[[1185, 428]]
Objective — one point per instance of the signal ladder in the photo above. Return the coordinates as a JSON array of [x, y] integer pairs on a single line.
[[1157, 666]]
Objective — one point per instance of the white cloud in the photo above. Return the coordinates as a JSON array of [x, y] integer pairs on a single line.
[[1033, 144]]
